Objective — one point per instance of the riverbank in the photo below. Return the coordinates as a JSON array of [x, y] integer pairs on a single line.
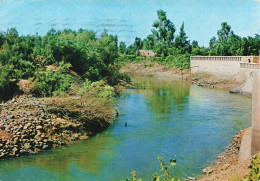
[[240, 83], [227, 166], [30, 125], [148, 68]]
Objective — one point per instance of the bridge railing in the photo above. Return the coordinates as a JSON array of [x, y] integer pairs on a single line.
[[249, 65]]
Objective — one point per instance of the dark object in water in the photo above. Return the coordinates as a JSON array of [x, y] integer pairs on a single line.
[[125, 124], [117, 114]]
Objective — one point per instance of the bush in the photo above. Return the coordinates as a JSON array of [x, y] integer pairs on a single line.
[[8, 82], [103, 93], [181, 62], [126, 58], [254, 174], [93, 105], [47, 83]]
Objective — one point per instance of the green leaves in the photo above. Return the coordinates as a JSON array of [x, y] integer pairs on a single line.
[[158, 177], [163, 32], [254, 174], [173, 162]]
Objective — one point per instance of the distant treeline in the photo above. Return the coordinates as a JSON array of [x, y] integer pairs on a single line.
[[55, 61], [165, 43]]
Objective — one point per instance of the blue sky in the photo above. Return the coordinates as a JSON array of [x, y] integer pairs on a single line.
[[131, 18]]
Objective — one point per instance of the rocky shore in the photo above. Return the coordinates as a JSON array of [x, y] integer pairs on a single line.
[[27, 127], [227, 167]]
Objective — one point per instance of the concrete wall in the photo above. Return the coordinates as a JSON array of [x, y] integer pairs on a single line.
[[225, 66]]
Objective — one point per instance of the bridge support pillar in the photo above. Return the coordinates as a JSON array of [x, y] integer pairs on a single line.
[[255, 138]]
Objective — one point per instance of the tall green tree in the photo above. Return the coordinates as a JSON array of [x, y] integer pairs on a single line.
[[222, 45], [181, 41], [163, 32]]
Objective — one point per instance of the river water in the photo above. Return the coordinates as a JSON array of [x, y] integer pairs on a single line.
[[164, 117]]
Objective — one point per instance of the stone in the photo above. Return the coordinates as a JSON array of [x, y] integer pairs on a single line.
[[2, 155], [38, 127], [37, 150], [27, 126], [207, 170], [44, 147], [27, 146], [225, 167]]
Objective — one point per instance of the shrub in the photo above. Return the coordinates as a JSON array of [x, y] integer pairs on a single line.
[[47, 83], [8, 82], [103, 93], [254, 174]]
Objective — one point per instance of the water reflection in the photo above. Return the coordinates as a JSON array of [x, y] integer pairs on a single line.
[[163, 96]]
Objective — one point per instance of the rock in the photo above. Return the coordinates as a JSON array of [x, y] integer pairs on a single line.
[[45, 146], [207, 170], [27, 146], [2, 155], [27, 126], [225, 167], [37, 150], [22, 151], [38, 127]]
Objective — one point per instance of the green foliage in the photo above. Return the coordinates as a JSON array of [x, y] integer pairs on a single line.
[[181, 41], [166, 176], [26, 57], [8, 81], [122, 48], [254, 173], [47, 83], [104, 93], [126, 58], [181, 62], [163, 32]]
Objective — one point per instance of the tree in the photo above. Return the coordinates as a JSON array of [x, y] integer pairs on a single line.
[[148, 43], [163, 33], [222, 44], [194, 44], [138, 44], [181, 41], [122, 48]]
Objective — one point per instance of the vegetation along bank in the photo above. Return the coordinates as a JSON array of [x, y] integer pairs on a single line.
[[55, 89]]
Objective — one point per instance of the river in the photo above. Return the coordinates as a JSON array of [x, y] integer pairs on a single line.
[[164, 117]]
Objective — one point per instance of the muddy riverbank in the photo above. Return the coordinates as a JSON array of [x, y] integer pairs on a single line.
[[240, 83]]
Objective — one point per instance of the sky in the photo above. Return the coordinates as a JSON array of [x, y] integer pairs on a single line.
[[131, 18]]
